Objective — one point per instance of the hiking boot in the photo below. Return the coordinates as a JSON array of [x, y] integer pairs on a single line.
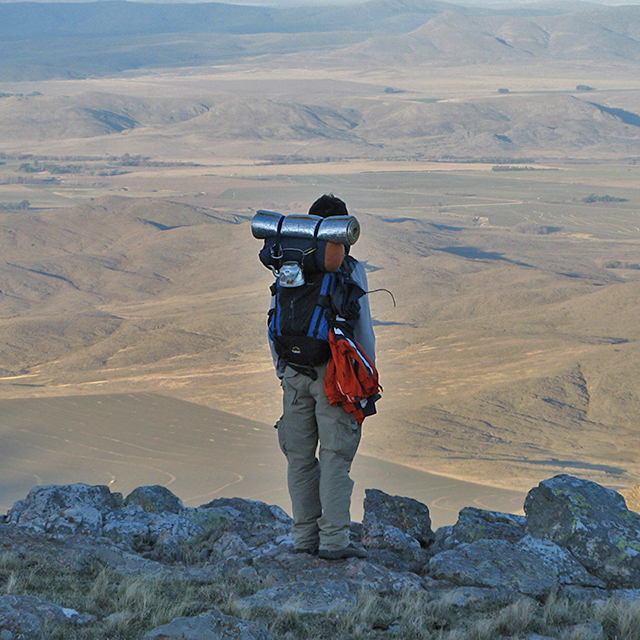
[[311, 552], [340, 554]]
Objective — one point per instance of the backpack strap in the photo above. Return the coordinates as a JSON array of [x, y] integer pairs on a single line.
[[324, 302], [276, 250]]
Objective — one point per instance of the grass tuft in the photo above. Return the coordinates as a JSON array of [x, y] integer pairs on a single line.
[[127, 607]]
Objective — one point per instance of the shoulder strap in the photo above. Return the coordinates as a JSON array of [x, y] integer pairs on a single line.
[[348, 265], [319, 318]]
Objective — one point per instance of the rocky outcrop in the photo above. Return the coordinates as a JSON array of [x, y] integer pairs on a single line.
[[530, 567], [478, 524], [592, 523], [577, 539], [155, 499], [151, 521], [65, 510]]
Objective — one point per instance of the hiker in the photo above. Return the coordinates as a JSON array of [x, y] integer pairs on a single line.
[[320, 439]]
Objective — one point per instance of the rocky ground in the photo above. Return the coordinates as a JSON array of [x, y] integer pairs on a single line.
[[578, 542]]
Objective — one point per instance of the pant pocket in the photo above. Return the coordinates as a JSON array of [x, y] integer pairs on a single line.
[[346, 439]]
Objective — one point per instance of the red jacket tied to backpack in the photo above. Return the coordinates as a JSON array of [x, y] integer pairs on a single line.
[[351, 379]]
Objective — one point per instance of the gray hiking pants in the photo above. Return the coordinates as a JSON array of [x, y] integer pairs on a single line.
[[318, 479]]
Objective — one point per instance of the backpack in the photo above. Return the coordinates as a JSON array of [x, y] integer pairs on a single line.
[[301, 317]]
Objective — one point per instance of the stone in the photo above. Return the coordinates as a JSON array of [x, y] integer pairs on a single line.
[[64, 510], [592, 523], [586, 631], [495, 564], [155, 499], [478, 524], [257, 523], [474, 598], [306, 598], [210, 625], [393, 522], [583, 594], [396, 531], [532, 567], [280, 566], [486, 560], [165, 536], [127, 526], [626, 594], [568, 569], [26, 616], [231, 545], [19, 624]]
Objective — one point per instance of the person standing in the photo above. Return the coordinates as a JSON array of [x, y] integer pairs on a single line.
[[319, 439]]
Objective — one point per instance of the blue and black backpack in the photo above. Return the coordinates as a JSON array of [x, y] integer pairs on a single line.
[[300, 319], [302, 315]]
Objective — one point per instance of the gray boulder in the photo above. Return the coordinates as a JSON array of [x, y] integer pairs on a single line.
[[478, 524], [567, 568], [586, 631], [592, 522], [151, 521], [529, 567], [280, 566], [495, 564], [155, 499], [64, 510], [19, 624], [255, 522], [393, 523], [210, 625]]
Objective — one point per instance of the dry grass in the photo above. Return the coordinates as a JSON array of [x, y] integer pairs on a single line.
[[417, 616], [127, 607]]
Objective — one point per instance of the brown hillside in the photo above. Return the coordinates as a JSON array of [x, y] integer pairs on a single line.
[[509, 357], [453, 38]]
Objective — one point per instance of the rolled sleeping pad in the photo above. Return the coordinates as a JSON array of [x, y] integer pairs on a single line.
[[339, 229]]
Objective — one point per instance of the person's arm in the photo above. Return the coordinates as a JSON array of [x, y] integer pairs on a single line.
[[363, 332], [277, 364]]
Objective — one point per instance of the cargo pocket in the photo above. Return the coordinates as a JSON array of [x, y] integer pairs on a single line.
[[282, 439], [347, 437]]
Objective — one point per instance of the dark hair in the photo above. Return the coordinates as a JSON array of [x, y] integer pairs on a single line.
[[328, 205]]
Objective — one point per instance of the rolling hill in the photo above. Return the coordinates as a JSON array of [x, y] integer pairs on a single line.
[[548, 125], [528, 348]]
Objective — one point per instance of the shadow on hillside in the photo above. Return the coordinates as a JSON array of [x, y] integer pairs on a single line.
[[574, 464], [628, 117], [378, 323], [473, 253]]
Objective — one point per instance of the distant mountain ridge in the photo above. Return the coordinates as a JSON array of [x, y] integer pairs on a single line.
[[79, 40], [21, 20], [612, 36]]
